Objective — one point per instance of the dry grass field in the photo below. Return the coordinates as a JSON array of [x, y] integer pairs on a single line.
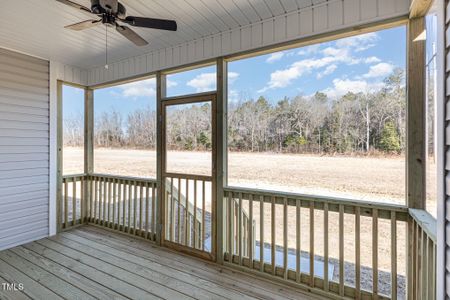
[[380, 179]]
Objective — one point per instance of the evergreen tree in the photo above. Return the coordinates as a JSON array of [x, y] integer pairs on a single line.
[[390, 141]]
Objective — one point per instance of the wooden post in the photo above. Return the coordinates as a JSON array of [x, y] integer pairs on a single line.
[[416, 141], [416, 135], [220, 164], [88, 144], [59, 156], [160, 94]]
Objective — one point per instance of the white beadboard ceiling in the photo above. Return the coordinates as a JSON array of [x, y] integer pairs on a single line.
[[36, 27]]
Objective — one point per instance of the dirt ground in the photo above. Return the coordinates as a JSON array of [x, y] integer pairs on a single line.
[[380, 179]]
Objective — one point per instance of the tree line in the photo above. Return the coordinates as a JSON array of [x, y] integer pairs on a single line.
[[373, 121]]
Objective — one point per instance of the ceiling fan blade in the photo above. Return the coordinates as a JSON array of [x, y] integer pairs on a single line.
[[83, 25], [75, 5], [151, 23], [131, 35]]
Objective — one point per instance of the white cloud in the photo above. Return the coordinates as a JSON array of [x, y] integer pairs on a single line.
[[206, 81], [344, 86], [309, 50], [170, 83], [275, 57], [143, 88], [232, 76], [360, 42], [379, 70], [283, 78], [329, 70], [372, 60]]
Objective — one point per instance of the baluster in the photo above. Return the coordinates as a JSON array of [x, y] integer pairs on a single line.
[[110, 181], [229, 231], [357, 252], [186, 216], [135, 203], [203, 214], [341, 250], [393, 256], [285, 238], [114, 196], [66, 204], [91, 199], [240, 228], [325, 245], [261, 233], [195, 215], [311, 243], [74, 201], [273, 246], [105, 199], [95, 199], [172, 211], [147, 210], [119, 200], [179, 211], [375, 252], [82, 199], [298, 249], [251, 237], [153, 212], [130, 198], [124, 207], [141, 210]]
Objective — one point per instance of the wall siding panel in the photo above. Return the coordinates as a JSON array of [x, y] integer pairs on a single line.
[[24, 146]]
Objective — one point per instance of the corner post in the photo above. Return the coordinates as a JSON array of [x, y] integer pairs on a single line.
[[160, 160], [59, 154], [415, 115], [416, 136], [88, 147], [221, 156]]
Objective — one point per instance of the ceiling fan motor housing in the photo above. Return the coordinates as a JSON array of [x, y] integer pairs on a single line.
[[109, 7]]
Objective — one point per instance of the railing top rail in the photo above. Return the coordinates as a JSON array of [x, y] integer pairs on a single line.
[[125, 178], [426, 221], [73, 175], [320, 199]]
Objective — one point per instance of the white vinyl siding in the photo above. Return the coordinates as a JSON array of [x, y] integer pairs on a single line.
[[24, 148]]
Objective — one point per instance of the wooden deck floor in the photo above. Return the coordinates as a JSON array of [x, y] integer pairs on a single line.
[[94, 263]]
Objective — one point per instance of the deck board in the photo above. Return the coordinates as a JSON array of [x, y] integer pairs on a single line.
[[92, 262]]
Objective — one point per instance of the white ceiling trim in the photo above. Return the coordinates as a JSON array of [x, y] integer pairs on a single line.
[[319, 17]]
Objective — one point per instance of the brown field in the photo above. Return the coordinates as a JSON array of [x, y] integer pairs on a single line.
[[380, 179]]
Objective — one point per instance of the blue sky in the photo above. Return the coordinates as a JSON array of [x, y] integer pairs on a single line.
[[357, 64]]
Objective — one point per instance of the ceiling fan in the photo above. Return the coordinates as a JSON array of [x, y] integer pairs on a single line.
[[112, 13]]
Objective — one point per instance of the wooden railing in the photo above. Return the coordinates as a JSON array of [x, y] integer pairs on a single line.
[[283, 216], [188, 211], [72, 207], [296, 239], [126, 204], [422, 273]]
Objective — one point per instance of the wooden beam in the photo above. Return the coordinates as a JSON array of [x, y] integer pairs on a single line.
[[160, 94], [416, 139], [221, 153], [419, 8]]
